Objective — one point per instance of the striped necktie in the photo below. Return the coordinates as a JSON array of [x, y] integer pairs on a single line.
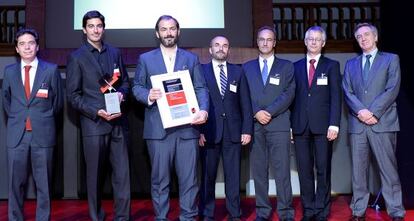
[[223, 80]]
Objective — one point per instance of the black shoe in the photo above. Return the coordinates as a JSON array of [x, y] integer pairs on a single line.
[[307, 218], [397, 218], [259, 218]]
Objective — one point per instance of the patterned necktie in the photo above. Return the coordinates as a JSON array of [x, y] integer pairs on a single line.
[[312, 70], [366, 68], [223, 80], [27, 92], [265, 72]]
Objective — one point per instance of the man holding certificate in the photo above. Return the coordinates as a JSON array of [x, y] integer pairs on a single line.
[[171, 147], [97, 82]]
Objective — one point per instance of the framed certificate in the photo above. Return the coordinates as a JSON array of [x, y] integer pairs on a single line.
[[178, 103]]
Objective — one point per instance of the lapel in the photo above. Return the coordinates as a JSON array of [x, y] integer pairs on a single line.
[[273, 71], [358, 78], [230, 78], [159, 61], [303, 73], [88, 54], [180, 61], [38, 80], [318, 70], [18, 81], [376, 63], [258, 75], [212, 82]]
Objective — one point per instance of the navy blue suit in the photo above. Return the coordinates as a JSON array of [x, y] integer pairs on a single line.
[[229, 117], [314, 109], [173, 147], [35, 147], [271, 142]]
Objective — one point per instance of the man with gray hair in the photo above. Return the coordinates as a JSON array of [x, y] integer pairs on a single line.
[[371, 85]]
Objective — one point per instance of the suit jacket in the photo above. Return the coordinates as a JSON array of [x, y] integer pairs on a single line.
[[42, 111], [83, 87], [271, 97], [152, 63], [235, 107], [318, 105], [377, 95]]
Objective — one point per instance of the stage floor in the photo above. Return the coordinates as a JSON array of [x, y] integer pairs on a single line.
[[68, 210]]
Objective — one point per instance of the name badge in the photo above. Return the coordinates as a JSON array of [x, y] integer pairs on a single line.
[[42, 93], [233, 87], [322, 80], [275, 80]]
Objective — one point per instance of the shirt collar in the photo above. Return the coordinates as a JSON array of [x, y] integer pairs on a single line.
[[34, 64], [317, 57], [216, 64], [92, 48]]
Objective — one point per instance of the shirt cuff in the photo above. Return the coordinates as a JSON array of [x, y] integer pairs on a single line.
[[334, 128]]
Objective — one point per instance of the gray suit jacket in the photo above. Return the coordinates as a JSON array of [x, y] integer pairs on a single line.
[[42, 111], [273, 98], [378, 95], [152, 63]]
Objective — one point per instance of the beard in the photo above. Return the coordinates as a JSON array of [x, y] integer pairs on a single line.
[[220, 56], [168, 41]]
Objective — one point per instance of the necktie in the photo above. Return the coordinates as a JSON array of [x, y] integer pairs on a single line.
[[366, 67], [223, 80], [312, 70], [27, 92], [265, 72]]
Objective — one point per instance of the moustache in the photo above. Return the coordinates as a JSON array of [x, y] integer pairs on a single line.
[[168, 36]]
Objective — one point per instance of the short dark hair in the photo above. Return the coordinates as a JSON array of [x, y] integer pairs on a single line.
[[266, 27], [92, 14], [29, 31], [166, 17]]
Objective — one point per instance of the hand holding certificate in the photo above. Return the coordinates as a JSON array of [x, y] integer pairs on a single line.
[[178, 105]]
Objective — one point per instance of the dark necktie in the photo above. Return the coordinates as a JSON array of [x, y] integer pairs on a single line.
[[312, 70], [223, 80], [27, 92], [265, 72], [366, 67]]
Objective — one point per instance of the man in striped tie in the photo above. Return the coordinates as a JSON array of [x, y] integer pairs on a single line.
[[228, 128]]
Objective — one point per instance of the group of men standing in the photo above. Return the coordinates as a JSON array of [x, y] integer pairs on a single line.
[[256, 103]]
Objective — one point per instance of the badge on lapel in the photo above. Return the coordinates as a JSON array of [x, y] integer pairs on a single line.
[[43, 91]]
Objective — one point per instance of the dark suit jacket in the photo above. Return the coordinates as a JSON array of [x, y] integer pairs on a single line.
[[378, 95], [152, 63], [235, 107], [275, 99], [83, 87], [320, 105], [42, 111]]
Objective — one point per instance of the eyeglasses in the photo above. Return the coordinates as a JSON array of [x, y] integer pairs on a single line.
[[314, 39]]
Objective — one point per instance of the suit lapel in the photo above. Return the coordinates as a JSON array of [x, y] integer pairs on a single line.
[[159, 60], [88, 54], [258, 76], [18, 81], [39, 78], [378, 60], [212, 82], [321, 66], [180, 61]]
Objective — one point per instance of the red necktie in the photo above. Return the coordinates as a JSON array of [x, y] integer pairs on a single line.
[[311, 71], [27, 92]]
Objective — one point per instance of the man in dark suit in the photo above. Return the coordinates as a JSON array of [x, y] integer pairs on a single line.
[[177, 146], [32, 98], [371, 85], [89, 71], [272, 89], [316, 114], [228, 128]]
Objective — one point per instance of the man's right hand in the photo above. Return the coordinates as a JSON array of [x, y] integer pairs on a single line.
[[154, 94], [263, 117], [108, 117]]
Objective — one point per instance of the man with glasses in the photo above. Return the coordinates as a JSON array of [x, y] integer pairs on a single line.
[[316, 114], [272, 89]]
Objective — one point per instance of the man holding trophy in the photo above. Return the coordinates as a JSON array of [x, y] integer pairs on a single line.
[[97, 83]]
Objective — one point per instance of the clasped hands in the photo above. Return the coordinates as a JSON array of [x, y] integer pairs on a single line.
[[367, 117]]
